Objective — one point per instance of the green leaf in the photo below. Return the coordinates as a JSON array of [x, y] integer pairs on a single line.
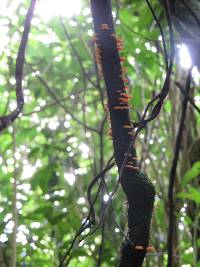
[[42, 177], [188, 258], [192, 194], [191, 173]]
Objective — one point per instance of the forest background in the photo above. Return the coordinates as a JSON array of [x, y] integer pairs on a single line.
[[60, 141]]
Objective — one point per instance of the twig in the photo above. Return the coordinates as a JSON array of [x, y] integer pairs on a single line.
[[160, 97], [109, 165], [136, 33], [189, 98], [162, 34], [87, 222], [48, 105], [54, 96], [76, 53]]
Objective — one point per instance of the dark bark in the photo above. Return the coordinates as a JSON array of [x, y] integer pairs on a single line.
[[173, 173], [6, 120], [192, 207], [137, 186]]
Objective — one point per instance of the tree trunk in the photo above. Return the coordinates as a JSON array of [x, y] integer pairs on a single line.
[[136, 185]]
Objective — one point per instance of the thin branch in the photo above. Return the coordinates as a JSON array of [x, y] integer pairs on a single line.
[[136, 33], [76, 53], [14, 204], [173, 171], [162, 34], [54, 96], [189, 98], [88, 222], [6, 120], [160, 97], [91, 185], [101, 245], [48, 105]]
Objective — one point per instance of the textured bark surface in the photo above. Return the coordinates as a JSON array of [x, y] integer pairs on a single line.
[[136, 185]]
